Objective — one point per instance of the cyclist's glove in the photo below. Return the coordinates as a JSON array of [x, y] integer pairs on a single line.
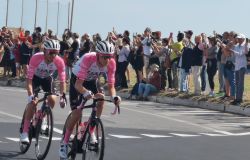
[[116, 100], [30, 98], [87, 95], [63, 100]]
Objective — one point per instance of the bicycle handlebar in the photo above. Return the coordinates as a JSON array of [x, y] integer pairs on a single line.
[[46, 94], [95, 100]]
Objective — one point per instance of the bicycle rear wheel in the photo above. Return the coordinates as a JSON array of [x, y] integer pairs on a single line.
[[44, 134], [24, 147], [94, 151]]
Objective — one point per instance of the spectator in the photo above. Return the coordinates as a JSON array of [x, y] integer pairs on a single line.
[[147, 49], [211, 54], [152, 85], [197, 60], [25, 51], [16, 51], [72, 54], [139, 60], [204, 66], [163, 53], [187, 40], [221, 62], [123, 64], [240, 51], [86, 45], [175, 55], [185, 66], [37, 39]]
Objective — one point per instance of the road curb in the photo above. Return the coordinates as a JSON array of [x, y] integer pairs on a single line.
[[165, 100], [196, 104]]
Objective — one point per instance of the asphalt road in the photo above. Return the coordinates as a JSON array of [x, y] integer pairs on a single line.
[[143, 131]]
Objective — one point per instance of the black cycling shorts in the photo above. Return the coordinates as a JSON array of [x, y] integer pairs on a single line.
[[74, 96], [45, 83]]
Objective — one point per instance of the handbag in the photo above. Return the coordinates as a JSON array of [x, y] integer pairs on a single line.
[[229, 65]]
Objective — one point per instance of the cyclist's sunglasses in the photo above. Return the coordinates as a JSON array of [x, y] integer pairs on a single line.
[[52, 53], [106, 57]]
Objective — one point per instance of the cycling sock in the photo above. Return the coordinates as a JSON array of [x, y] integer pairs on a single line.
[[66, 136], [26, 126], [92, 130]]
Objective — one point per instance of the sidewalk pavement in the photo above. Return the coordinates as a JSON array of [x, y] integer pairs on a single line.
[[160, 99]]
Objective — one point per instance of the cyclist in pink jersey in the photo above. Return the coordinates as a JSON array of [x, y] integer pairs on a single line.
[[41, 68], [83, 83]]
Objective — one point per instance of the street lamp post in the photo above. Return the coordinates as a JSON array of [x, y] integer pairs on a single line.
[[35, 15], [68, 14], [7, 13], [72, 12], [22, 14], [47, 11], [58, 10]]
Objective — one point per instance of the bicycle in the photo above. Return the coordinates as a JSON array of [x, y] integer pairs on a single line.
[[41, 127], [80, 143]]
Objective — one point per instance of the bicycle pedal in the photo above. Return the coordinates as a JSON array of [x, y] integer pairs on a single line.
[[93, 147]]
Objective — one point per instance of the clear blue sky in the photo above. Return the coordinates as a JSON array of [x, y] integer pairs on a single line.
[[94, 16]]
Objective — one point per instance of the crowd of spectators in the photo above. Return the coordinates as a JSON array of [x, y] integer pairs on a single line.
[[160, 63]]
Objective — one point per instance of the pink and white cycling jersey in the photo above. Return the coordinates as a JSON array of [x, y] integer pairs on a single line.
[[86, 68], [38, 67]]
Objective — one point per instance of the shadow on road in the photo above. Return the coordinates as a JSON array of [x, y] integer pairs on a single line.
[[11, 155]]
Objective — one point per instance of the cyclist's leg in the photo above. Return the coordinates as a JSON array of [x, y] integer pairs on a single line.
[[74, 98], [30, 110], [100, 104]]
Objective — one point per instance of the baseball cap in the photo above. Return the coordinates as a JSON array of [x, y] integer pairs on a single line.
[[147, 29], [190, 32], [241, 36]]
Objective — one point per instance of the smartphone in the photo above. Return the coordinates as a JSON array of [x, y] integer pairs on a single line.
[[247, 40]]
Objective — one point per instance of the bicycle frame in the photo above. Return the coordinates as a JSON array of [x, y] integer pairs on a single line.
[[93, 121]]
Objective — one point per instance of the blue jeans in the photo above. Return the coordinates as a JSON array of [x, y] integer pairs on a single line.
[[145, 89], [239, 80], [183, 80], [230, 76]]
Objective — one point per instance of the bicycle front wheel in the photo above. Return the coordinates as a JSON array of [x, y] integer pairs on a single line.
[[94, 151], [44, 134]]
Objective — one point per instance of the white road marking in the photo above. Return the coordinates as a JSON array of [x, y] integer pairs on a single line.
[[17, 139], [225, 132], [53, 138], [213, 134], [172, 119], [10, 115], [155, 136], [14, 89], [3, 142], [184, 135], [123, 136]]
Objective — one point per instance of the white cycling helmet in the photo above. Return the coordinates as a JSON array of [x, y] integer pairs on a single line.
[[105, 48], [52, 44]]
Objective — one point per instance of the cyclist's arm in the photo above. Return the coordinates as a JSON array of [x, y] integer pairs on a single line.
[[62, 87], [112, 91], [111, 77], [79, 87], [29, 87], [61, 72]]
